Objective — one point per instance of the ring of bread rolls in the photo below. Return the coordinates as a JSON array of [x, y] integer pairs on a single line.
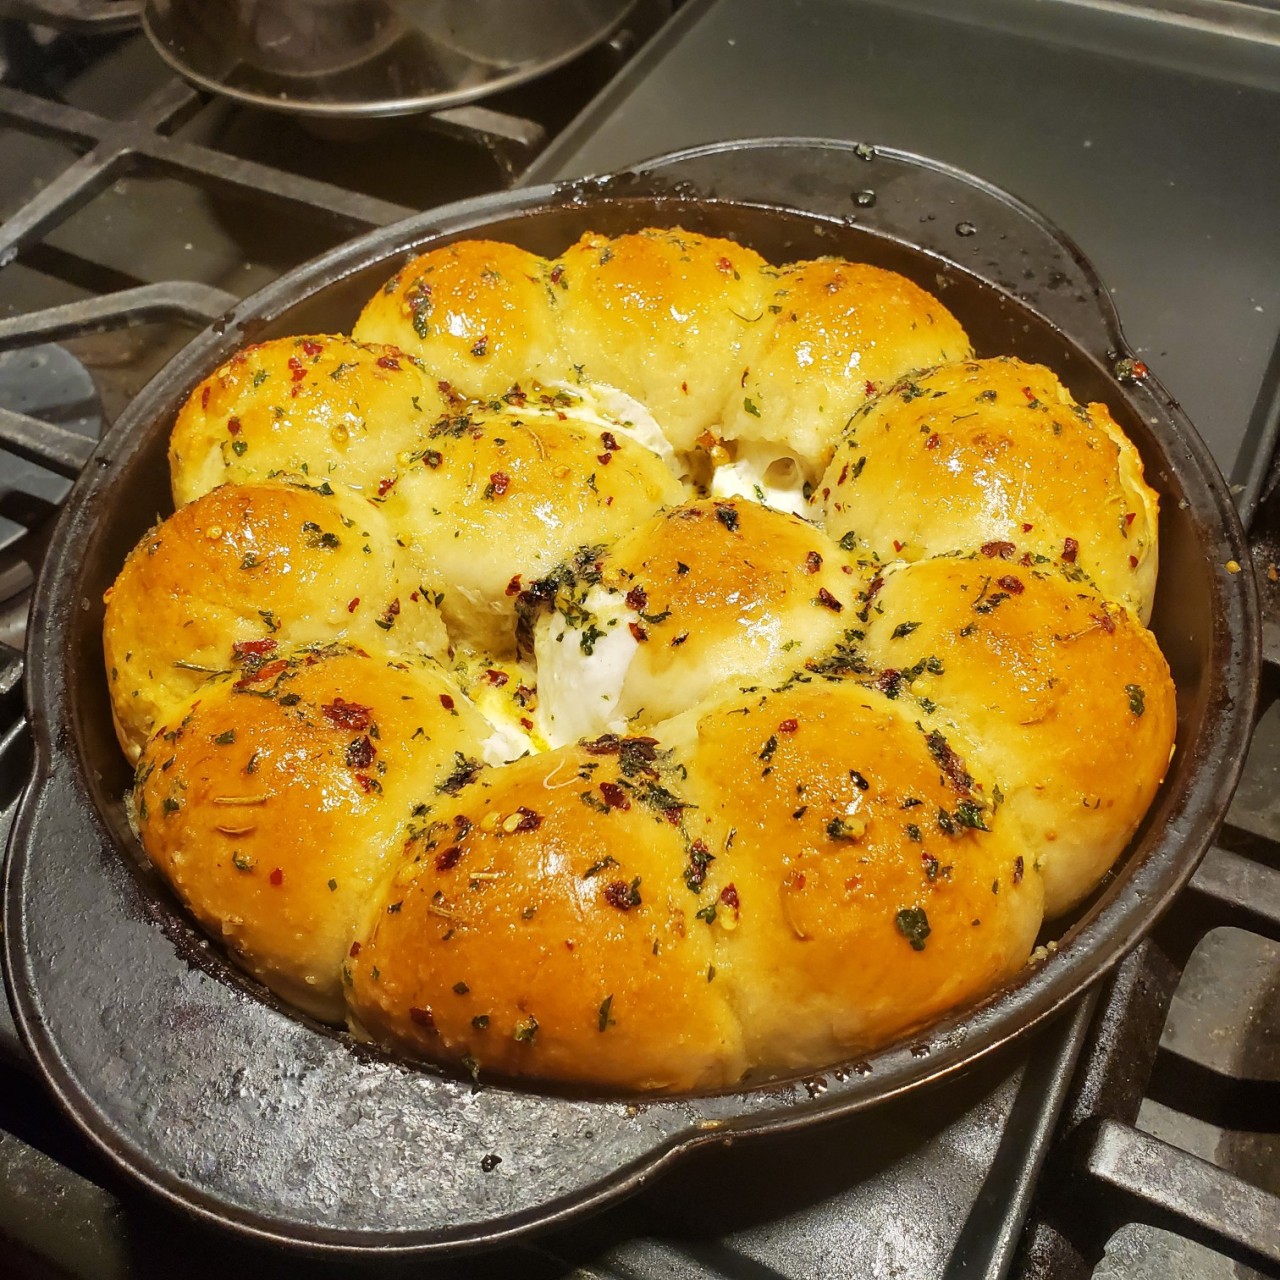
[[651, 668]]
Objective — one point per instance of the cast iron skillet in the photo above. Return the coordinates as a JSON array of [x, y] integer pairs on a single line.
[[192, 1078]]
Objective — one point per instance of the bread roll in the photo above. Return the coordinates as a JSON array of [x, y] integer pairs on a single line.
[[540, 925], [244, 574], [665, 316], [833, 334], [708, 593], [1066, 699], [479, 314], [851, 886], [271, 802], [320, 409], [496, 499], [989, 453]]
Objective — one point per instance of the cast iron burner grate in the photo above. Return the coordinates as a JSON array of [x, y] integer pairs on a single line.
[[1029, 1166]]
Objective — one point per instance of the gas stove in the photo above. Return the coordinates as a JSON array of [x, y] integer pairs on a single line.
[[1135, 1136]]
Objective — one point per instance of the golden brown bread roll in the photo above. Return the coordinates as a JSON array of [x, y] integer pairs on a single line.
[[322, 409], [272, 800], [856, 893], [540, 925], [994, 452], [496, 498], [665, 316], [865, 778], [249, 572], [479, 314], [708, 593], [833, 334], [1066, 699]]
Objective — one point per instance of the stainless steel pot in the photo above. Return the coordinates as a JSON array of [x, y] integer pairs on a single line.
[[372, 57]]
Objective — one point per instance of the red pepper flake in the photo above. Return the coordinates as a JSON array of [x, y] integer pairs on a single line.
[[870, 388], [844, 474], [388, 362], [932, 442], [673, 813], [367, 784], [243, 649], [622, 895], [1025, 561], [557, 273], [897, 546], [449, 858], [260, 675], [1010, 584], [204, 397], [355, 950], [610, 441], [889, 682], [949, 762], [1031, 395], [1130, 517], [498, 483], [789, 726], [1002, 549], [604, 459], [526, 723], [297, 369], [346, 715], [637, 599], [1069, 549], [725, 266], [446, 702], [310, 347], [423, 1017], [496, 678], [233, 426], [277, 877], [1106, 622], [729, 896], [638, 632], [360, 753], [829, 601], [513, 587], [1026, 528], [384, 486], [1133, 562], [528, 821], [813, 562], [614, 796]]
